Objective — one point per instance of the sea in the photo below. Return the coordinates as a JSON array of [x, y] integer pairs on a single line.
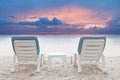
[[67, 44]]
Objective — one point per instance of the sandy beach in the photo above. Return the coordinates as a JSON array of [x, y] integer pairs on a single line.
[[55, 44], [90, 71]]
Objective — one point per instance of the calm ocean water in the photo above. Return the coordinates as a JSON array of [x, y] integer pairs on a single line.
[[60, 43]]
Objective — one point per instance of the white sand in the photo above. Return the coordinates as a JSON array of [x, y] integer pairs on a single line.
[[90, 72]]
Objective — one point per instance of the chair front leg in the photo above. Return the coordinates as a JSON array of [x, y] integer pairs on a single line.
[[79, 63], [104, 63], [38, 63], [73, 59], [64, 59], [49, 62], [41, 60], [13, 64]]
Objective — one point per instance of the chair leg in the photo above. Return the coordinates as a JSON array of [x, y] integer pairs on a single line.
[[13, 64], [49, 63], [64, 59], [38, 63], [103, 63], [79, 63], [73, 59], [41, 60]]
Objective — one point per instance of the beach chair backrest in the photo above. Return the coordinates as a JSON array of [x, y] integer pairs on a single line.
[[91, 48], [25, 48]]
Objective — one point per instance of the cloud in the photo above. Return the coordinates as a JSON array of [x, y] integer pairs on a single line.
[[5, 17], [46, 8], [9, 18], [3, 22], [114, 22], [56, 26], [43, 21], [113, 26]]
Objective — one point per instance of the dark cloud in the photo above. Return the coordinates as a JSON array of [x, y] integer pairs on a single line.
[[113, 26], [43, 21], [6, 17], [56, 26], [114, 22], [3, 22]]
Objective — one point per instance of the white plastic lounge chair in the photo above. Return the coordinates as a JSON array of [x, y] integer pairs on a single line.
[[26, 51], [91, 49]]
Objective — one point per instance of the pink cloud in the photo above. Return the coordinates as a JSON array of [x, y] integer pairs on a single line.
[[70, 14]]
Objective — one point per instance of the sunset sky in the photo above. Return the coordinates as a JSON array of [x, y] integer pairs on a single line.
[[59, 17]]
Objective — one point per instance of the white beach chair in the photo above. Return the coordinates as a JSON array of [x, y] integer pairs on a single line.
[[26, 51], [91, 49]]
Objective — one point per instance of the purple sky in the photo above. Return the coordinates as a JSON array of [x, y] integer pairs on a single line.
[[59, 17]]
